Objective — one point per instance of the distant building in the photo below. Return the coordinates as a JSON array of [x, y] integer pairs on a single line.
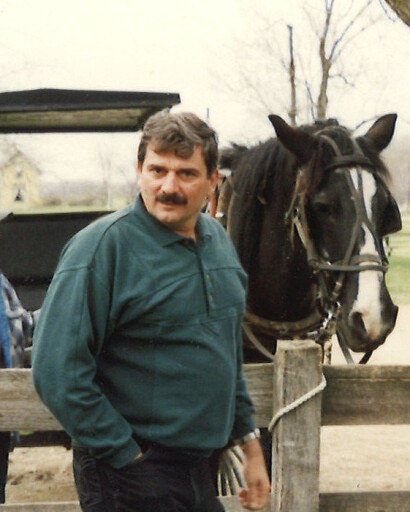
[[19, 183]]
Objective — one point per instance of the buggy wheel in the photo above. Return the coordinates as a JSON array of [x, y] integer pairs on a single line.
[[230, 472]]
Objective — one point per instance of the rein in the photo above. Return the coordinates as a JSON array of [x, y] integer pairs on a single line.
[[350, 262]]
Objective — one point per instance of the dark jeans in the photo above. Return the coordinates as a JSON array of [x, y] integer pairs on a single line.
[[162, 480], [4, 463]]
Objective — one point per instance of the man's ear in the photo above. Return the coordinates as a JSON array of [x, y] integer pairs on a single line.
[[214, 179], [139, 171]]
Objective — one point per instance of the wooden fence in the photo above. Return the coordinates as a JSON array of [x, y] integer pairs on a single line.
[[354, 395]]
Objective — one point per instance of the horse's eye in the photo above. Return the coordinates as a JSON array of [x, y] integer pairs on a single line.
[[323, 207]]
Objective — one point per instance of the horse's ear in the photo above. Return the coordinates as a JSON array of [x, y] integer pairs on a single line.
[[298, 142], [382, 131]]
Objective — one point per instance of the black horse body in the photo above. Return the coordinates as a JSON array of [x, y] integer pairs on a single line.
[[302, 185]]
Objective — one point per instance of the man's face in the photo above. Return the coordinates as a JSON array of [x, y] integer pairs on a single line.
[[174, 189]]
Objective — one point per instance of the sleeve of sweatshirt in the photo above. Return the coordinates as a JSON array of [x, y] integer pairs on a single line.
[[244, 409], [67, 340]]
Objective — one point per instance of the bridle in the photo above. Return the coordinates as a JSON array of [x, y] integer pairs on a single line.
[[321, 324]]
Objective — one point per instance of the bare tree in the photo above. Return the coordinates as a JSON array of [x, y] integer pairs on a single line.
[[297, 63], [292, 79], [130, 181], [107, 171], [113, 174], [332, 48]]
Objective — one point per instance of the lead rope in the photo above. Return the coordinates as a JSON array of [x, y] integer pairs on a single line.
[[297, 403], [230, 478]]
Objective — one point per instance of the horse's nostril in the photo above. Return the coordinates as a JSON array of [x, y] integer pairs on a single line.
[[360, 322], [359, 326], [356, 320]]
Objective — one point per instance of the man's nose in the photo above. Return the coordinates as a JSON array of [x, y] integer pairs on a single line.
[[170, 183]]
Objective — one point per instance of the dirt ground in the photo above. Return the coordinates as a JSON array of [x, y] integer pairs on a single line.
[[352, 458]]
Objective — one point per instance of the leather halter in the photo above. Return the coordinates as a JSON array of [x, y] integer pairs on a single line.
[[320, 325]]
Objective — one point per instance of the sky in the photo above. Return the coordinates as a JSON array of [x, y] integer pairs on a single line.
[[197, 49]]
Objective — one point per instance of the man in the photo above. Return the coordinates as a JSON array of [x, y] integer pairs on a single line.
[[16, 329], [138, 348]]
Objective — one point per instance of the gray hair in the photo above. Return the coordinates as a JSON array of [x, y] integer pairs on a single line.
[[181, 133]]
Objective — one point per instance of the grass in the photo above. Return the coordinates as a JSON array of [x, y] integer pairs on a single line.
[[398, 276]]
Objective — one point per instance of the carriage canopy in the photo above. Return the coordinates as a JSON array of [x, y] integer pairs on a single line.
[[71, 110]]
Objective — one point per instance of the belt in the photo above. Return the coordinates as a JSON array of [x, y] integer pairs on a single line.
[[177, 453]]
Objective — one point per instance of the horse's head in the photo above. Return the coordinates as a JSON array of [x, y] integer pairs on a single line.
[[343, 209]]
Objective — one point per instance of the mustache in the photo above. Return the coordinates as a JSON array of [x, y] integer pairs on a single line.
[[171, 199]]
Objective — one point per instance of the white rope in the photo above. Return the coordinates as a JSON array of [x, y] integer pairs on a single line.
[[229, 479], [299, 401]]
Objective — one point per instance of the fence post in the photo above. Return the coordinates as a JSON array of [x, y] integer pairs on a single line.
[[296, 437]]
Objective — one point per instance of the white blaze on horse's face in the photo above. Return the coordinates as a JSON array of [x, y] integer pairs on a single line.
[[367, 301]]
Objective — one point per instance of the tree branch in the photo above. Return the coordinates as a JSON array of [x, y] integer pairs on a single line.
[[338, 41]]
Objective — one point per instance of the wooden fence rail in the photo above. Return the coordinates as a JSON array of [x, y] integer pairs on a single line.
[[354, 395]]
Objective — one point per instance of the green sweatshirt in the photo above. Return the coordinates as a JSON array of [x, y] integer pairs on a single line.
[[139, 336]]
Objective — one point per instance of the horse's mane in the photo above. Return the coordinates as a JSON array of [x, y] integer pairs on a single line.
[[254, 171], [229, 157], [268, 171]]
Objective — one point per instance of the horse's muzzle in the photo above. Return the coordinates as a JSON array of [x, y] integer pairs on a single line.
[[361, 336]]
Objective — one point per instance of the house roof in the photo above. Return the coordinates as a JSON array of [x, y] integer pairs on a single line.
[[11, 161], [72, 110]]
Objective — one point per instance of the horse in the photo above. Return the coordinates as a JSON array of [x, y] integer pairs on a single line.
[[307, 212]]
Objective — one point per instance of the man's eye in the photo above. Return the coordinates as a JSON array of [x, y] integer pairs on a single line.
[[187, 173]]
